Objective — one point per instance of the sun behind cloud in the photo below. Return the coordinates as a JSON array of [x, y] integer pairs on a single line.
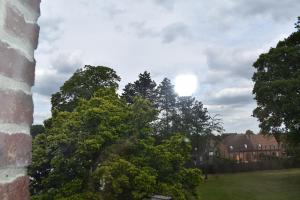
[[186, 84]]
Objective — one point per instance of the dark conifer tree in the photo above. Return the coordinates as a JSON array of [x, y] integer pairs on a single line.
[[144, 87], [167, 106]]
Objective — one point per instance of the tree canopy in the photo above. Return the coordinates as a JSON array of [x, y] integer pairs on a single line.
[[144, 87], [277, 87], [98, 145], [36, 129], [104, 149], [83, 84]]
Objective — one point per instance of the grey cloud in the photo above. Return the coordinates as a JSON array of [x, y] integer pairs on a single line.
[[49, 83], [167, 34], [175, 31], [112, 10], [50, 29], [142, 30], [278, 10], [61, 68], [241, 99], [67, 63], [109, 8], [236, 118], [235, 62], [168, 4], [237, 96]]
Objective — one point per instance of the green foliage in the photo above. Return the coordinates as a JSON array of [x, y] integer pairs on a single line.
[[120, 179], [277, 86], [176, 114], [192, 118], [100, 146], [141, 113], [149, 169], [105, 149], [74, 143], [144, 87], [36, 129], [167, 107], [83, 84]]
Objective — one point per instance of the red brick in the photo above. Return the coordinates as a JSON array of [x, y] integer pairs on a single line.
[[33, 4], [16, 190], [16, 107], [16, 25], [15, 150], [14, 65]]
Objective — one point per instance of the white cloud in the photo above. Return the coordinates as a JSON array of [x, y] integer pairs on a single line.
[[233, 92], [42, 108]]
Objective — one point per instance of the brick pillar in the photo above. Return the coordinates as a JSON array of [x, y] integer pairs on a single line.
[[18, 40]]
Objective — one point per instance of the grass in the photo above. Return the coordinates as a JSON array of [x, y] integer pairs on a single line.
[[263, 185]]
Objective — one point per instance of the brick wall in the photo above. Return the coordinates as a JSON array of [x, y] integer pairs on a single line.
[[18, 40]]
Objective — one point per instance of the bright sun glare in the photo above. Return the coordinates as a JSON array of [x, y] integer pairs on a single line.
[[185, 85]]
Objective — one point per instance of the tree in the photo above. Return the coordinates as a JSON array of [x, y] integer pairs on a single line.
[[144, 87], [66, 155], [277, 88], [184, 115], [105, 149], [129, 93], [167, 106], [297, 24], [36, 130], [149, 169], [194, 121], [249, 132], [83, 84], [141, 114]]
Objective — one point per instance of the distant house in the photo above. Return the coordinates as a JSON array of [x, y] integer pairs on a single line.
[[249, 147]]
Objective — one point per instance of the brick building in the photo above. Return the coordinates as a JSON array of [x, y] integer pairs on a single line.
[[249, 147]]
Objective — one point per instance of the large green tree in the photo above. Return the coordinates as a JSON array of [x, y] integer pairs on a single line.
[[105, 149], [83, 84], [277, 88], [100, 146], [65, 156]]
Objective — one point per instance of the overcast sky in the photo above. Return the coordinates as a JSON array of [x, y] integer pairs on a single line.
[[216, 40]]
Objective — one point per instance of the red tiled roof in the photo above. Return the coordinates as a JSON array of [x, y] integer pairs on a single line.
[[242, 142]]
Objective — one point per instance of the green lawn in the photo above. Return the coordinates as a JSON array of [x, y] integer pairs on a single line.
[[263, 185]]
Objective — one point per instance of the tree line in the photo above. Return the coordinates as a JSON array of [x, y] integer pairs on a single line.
[[101, 145]]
